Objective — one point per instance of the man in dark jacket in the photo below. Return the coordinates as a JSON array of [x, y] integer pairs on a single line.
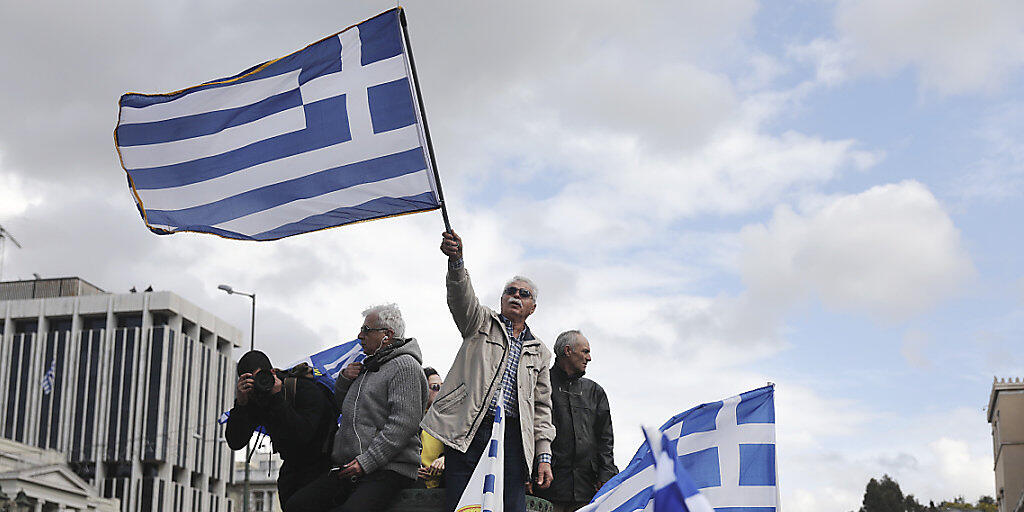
[[581, 453], [298, 426], [377, 446]]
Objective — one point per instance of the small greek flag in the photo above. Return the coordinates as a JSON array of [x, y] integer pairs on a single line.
[[484, 492], [329, 135], [49, 377], [674, 490], [328, 364], [726, 447]]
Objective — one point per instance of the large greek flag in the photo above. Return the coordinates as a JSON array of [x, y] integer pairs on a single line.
[[329, 135], [727, 447]]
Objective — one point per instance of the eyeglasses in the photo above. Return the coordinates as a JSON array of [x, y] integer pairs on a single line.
[[364, 329], [523, 292], [435, 387]]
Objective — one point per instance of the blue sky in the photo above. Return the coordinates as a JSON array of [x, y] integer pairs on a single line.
[[719, 194]]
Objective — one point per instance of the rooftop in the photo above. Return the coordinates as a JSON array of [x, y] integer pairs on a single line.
[[47, 288]]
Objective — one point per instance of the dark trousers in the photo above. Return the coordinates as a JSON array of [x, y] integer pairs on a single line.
[[458, 466], [373, 492], [296, 476]]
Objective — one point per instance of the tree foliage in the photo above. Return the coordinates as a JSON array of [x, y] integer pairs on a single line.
[[885, 495]]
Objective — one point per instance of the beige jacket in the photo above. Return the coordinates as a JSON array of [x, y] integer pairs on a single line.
[[475, 375]]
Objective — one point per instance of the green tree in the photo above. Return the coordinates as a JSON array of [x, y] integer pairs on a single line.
[[987, 504], [883, 496]]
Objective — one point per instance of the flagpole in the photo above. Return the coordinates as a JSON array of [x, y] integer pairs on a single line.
[[423, 113]]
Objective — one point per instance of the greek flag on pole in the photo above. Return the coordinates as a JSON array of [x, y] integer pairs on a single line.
[[48, 378], [485, 490], [328, 135], [727, 447], [326, 364]]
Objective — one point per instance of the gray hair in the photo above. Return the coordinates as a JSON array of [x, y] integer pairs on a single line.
[[566, 339], [388, 316], [529, 282]]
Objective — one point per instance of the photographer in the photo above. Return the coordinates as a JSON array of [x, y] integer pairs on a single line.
[[298, 421]]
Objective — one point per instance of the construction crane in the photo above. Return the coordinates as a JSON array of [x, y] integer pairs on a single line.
[[4, 237]]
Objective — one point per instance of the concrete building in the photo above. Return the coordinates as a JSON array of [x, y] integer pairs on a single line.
[[263, 471], [138, 382], [40, 480], [1006, 414]]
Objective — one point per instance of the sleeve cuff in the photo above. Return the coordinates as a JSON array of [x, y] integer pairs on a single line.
[[544, 457], [455, 265]]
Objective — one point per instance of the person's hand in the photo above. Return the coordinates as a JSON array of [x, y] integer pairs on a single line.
[[278, 385], [437, 467], [243, 388], [544, 475], [423, 472], [451, 245], [352, 371], [352, 469]]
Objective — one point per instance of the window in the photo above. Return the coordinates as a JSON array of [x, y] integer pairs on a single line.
[[60, 324], [28, 325], [131, 320], [257, 501]]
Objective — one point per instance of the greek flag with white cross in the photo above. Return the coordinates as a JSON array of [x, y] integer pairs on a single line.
[[727, 447], [329, 135]]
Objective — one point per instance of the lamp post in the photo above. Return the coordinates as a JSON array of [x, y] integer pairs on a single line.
[[252, 346]]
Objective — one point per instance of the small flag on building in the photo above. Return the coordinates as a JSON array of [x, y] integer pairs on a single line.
[[485, 490], [329, 135], [49, 377], [726, 447]]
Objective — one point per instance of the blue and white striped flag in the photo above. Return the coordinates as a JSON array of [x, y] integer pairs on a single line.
[[326, 364], [329, 135], [485, 490], [727, 447], [49, 377]]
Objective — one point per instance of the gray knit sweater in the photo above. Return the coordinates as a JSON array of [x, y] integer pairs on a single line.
[[381, 410]]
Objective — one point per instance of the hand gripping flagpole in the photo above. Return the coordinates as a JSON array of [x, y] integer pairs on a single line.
[[423, 114]]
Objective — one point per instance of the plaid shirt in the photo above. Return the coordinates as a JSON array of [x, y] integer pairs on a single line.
[[509, 379]]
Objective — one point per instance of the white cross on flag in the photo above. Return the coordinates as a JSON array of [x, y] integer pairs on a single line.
[[727, 447], [329, 135]]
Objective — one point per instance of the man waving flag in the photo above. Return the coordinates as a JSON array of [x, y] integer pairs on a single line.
[[328, 135]]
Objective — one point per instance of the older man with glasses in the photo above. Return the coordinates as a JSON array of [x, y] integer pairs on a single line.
[[382, 399], [499, 357]]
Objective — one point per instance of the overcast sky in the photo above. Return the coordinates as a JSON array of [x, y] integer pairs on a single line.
[[824, 195]]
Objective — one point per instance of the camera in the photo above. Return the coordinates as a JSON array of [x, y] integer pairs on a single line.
[[263, 382]]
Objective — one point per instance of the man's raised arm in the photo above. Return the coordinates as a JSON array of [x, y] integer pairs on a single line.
[[462, 300]]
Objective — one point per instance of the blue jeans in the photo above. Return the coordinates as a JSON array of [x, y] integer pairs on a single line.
[[458, 466]]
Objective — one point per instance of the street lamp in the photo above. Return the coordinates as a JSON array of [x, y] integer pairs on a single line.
[[252, 323], [252, 346]]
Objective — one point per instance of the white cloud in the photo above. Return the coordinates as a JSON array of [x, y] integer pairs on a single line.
[[957, 464], [914, 348], [16, 195], [955, 47], [891, 251]]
